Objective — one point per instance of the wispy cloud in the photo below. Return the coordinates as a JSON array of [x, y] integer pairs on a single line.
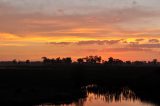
[[145, 45], [60, 43], [138, 40], [89, 42], [105, 22], [126, 49], [154, 40]]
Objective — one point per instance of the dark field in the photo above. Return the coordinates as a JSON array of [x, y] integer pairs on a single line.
[[32, 84]]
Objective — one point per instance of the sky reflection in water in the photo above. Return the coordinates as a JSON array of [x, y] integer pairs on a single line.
[[124, 98]]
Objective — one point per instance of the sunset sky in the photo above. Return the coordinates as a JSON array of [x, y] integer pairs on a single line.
[[124, 29]]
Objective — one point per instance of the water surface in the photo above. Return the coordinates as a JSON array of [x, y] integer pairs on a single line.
[[102, 97]]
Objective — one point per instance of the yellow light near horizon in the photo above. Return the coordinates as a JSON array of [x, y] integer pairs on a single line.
[[85, 30], [131, 40], [12, 44], [8, 36], [58, 39], [31, 38]]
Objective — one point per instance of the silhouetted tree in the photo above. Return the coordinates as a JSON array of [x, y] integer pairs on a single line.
[[93, 59], [117, 61], [139, 62], [98, 59], [67, 60], [128, 62], [14, 61], [27, 61], [154, 61], [110, 60], [46, 60], [53, 60], [89, 59], [58, 60], [80, 60]]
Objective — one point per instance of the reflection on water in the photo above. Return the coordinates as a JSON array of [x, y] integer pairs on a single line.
[[94, 100], [99, 96]]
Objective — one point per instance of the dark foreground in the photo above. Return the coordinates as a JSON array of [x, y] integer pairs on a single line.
[[33, 84]]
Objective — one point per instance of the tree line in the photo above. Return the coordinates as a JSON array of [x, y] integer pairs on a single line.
[[94, 60], [84, 60]]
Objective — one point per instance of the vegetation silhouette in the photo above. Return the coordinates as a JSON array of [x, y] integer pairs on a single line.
[[67, 60], [64, 81], [95, 60]]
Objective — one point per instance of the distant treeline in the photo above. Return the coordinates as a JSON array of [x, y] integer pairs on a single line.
[[85, 60]]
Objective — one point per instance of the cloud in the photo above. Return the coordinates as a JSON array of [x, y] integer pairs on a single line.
[[153, 41], [125, 49], [8, 37], [145, 45], [89, 42], [104, 22], [139, 40], [60, 43], [99, 42]]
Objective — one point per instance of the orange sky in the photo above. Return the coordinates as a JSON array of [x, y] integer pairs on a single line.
[[128, 30]]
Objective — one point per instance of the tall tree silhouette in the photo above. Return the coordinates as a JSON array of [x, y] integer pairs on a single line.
[[110, 60]]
